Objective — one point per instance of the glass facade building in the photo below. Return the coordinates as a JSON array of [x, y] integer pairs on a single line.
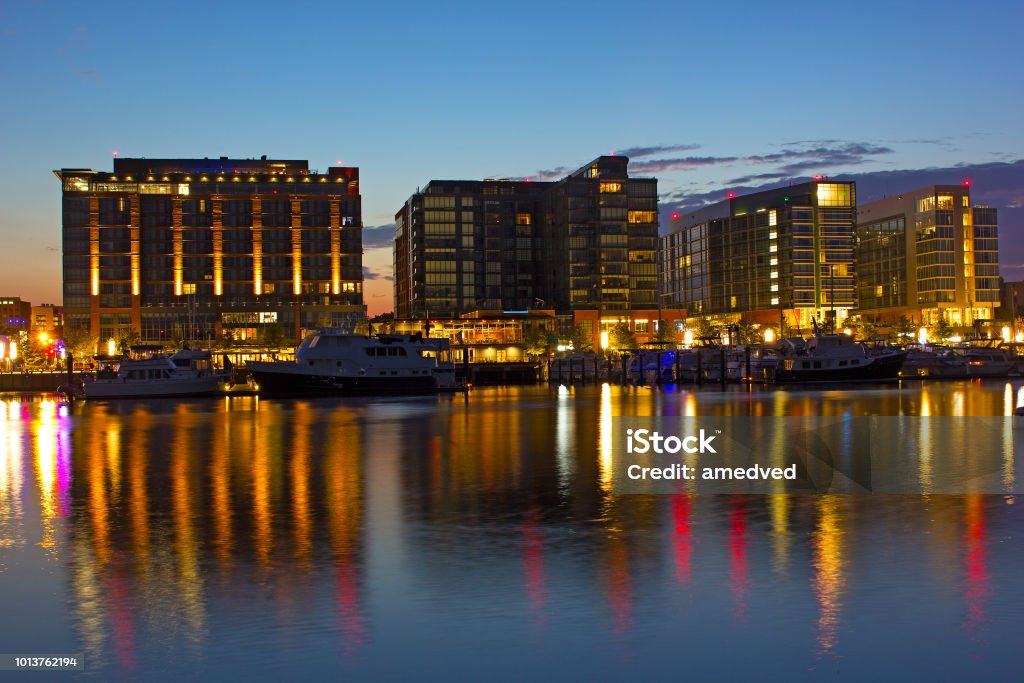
[[196, 248], [585, 242], [928, 254], [783, 256]]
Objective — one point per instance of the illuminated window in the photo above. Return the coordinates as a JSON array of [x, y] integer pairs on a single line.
[[775, 301], [925, 204], [772, 234], [945, 202], [966, 201], [188, 288], [773, 217], [76, 185], [523, 219], [774, 262], [182, 188], [641, 216], [773, 248], [269, 287], [775, 288], [834, 194], [774, 274], [611, 187]]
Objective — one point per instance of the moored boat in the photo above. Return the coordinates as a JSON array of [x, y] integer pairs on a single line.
[[150, 372], [334, 362], [836, 358]]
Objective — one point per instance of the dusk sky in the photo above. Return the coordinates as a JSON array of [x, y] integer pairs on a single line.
[[706, 96]]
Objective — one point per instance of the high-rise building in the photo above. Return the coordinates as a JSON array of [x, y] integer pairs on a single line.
[[583, 245], [196, 248], [927, 254], [772, 257]]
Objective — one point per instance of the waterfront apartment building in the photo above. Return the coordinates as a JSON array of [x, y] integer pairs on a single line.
[[927, 254], [47, 319], [781, 257], [583, 245], [199, 248], [15, 315]]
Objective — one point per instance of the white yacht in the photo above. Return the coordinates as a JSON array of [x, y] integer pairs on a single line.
[[149, 372], [334, 362]]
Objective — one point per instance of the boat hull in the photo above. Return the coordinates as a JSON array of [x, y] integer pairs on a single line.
[[880, 369], [122, 389], [285, 381]]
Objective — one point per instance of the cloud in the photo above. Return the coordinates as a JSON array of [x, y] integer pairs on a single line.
[[375, 236], [819, 155], [552, 174], [370, 274], [634, 152], [678, 164], [758, 176]]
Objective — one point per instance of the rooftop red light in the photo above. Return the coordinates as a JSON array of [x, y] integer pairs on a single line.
[[731, 195]]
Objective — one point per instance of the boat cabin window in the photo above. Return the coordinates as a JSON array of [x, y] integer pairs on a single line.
[[382, 351], [805, 364]]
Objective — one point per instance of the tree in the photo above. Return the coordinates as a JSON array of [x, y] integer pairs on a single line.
[[31, 354], [272, 336], [620, 338], [127, 340], [746, 333], [864, 328], [79, 343], [707, 330], [942, 330], [535, 342], [667, 333], [226, 340], [903, 327], [579, 338]]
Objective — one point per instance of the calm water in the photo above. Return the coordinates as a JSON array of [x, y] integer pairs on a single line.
[[445, 538]]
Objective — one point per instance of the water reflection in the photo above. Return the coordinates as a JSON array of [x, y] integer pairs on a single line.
[[183, 530]]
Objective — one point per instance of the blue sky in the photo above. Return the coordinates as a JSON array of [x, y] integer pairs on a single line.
[[412, 91]]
